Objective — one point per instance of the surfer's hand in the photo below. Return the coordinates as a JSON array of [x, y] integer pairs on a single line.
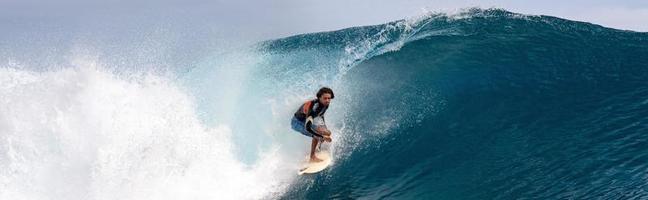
[[328, 138]]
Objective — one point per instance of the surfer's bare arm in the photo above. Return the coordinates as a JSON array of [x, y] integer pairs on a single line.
[[316, 133], [322, 130], [325, 133]]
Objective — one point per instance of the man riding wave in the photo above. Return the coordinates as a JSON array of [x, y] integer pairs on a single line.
[[309, 120]]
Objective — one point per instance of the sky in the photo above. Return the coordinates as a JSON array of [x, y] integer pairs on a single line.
[[280, 18]]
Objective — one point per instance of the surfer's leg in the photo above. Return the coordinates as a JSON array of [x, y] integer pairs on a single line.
[[312, 153]]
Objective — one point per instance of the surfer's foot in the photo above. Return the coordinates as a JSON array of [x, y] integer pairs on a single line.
[[315, 159]]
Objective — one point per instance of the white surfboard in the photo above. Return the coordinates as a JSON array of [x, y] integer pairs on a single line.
[[314, 167]]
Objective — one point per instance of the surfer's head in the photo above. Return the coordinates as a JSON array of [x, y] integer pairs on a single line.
[[324, 95]]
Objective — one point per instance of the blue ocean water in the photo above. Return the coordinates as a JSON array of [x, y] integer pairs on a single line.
[[480, 104], [485, 105]]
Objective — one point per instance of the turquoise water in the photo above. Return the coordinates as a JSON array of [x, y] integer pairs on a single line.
[[487, 105], [481, 104]]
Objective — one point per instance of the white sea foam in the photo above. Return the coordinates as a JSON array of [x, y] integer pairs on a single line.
[[82, 132]]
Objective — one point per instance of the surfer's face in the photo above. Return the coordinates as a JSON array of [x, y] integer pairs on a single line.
[[325, 99]]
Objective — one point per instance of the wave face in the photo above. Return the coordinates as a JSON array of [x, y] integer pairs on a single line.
[[484, 104]]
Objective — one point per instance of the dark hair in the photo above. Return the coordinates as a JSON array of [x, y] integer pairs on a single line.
[[325, 90]]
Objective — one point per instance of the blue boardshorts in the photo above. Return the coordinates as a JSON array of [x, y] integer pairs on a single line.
[[299, 126]]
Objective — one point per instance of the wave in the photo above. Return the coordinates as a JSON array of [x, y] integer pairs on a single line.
[[480, 104], [484, 104]]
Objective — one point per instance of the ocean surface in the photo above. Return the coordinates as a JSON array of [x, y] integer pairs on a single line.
[[479, 104]]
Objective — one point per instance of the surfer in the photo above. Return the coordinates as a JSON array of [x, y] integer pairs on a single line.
[[309, 120]]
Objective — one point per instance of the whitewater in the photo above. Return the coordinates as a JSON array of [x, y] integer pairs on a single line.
[[478, 104]]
